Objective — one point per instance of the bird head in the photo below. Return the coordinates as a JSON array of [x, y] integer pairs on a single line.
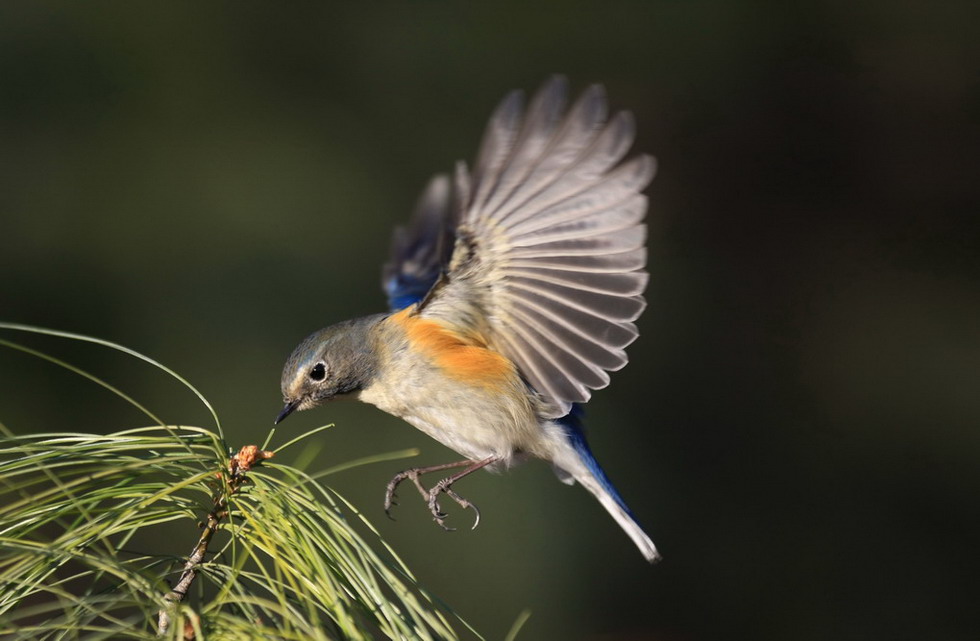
[[331, 363]]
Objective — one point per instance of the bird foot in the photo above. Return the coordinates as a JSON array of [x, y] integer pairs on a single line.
[[431, 496], [445, 487]]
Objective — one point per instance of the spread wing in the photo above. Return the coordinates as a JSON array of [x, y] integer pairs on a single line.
[[549, 254]]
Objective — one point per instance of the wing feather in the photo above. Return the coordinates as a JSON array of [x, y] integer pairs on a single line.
[[608, 306], [559, 378], [596, 352], [587, 209], [614, 242], [574, 136], [611, 219], [612, 334], [627, 261], [497, 143], [543, 116], [606, 150], [630, 284]]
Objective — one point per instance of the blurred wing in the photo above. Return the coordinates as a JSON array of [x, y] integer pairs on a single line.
[[550, 246], [420, 250]]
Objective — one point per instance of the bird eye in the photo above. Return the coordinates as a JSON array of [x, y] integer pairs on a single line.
[[319, 372]]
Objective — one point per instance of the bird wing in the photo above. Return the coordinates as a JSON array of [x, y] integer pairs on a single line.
[[549, 256], [420, 250]]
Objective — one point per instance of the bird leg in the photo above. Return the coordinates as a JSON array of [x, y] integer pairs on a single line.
[[442, 487]]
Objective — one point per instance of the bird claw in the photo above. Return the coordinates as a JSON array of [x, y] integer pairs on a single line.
[[466, 504], [388, 505], [445, 487], [437, 514]]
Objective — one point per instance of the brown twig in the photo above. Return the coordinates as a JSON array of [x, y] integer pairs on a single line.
[[238, 466]]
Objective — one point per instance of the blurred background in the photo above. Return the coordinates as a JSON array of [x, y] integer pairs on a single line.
[[798, 427]]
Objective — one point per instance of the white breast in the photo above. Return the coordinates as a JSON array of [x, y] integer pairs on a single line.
[[476, 421]]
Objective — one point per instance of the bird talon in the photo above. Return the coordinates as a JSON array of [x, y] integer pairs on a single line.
[[476, 519], [440, 518], [389, 503], [464, 503]]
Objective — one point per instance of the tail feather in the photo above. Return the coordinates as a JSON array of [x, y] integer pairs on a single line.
[[579, 462]]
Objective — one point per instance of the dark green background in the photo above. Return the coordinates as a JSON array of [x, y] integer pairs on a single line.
[[798, 428]]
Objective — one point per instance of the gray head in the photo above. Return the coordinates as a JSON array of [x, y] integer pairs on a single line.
[[332, 362]]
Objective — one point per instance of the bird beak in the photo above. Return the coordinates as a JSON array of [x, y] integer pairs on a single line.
[[286, 411]]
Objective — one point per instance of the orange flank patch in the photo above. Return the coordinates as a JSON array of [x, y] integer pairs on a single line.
[[464, 357]]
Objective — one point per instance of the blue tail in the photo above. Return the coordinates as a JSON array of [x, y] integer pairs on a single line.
[[575, 430], [596, 481]]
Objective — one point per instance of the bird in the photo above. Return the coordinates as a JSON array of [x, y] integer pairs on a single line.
[[513, 291]]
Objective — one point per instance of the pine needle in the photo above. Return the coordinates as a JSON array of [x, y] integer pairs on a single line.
[[93, 528]]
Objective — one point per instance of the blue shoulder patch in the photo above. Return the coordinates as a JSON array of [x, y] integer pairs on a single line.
[[405, 290]]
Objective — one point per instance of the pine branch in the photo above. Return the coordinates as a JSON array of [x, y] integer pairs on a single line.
[[238, 467]]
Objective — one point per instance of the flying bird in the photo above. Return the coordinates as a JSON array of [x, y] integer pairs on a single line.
[[512, 293]]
